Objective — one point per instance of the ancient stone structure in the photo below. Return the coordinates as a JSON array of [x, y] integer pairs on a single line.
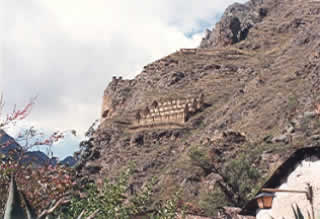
[[174, 111], [188, 51]]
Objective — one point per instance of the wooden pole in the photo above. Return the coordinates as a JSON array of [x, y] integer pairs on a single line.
[[283, 190]]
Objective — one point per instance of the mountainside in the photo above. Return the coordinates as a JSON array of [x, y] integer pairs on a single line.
[[7, 143], [257, 72], [37, 158]]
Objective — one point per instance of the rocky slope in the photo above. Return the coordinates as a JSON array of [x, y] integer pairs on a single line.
[[259, 72]]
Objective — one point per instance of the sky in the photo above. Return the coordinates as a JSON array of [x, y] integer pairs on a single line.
[[65, 52]]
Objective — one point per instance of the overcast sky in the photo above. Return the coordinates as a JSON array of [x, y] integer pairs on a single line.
[[66, 51]]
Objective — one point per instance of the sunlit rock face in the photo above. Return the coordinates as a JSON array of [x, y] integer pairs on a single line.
[[306, 172], [117, 92], [235, 24]]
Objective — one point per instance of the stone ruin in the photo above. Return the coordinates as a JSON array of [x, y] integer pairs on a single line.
[[168, 112], [188, 51]]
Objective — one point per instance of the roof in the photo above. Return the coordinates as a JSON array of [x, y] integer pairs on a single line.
[[281, 174]]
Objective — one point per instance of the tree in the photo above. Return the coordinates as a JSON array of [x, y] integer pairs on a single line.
[[16, 114], [237, 177], [54, 190], [45, 187]]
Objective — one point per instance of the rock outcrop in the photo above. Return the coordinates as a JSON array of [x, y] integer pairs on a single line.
[[235, 24], [114, 96]]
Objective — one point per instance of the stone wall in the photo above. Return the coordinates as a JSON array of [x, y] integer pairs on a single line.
[[188, 51], [175, 111]]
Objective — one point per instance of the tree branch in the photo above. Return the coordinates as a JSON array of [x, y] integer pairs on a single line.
[[89, 217], [82, 213], [61, 201], [93, 214]]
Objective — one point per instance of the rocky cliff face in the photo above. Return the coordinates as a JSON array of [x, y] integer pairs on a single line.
[[259, 73], [235, 24]]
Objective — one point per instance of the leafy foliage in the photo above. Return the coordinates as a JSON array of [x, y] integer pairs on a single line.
[[168, 209], [109, 202], [213, 201], [235, 188], [237, 179], [200, 158], [42, 186], [112, 201], [240, 176]]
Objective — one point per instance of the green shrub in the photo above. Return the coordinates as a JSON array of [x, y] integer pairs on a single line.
[[112, 202], [201, 158], [239, 175], [213, 201], [108, 203], [167, 209]]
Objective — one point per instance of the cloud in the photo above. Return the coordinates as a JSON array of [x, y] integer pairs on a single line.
[[66, 51]]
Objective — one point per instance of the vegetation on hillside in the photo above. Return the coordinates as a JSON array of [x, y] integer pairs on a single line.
[[56, 190]]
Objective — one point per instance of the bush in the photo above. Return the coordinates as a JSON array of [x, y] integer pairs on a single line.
[[213, 201], [107, 203], [239, 175], [42, 187], [201, 158], [235, 188], [112, 202]]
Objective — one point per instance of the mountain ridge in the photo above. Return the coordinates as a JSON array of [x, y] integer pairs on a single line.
[[37, 158]]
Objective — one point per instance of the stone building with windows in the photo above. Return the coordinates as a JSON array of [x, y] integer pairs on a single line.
[[172, 111]]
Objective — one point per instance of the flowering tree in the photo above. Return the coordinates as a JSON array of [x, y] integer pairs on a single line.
[[16, 114], [46, 187]]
